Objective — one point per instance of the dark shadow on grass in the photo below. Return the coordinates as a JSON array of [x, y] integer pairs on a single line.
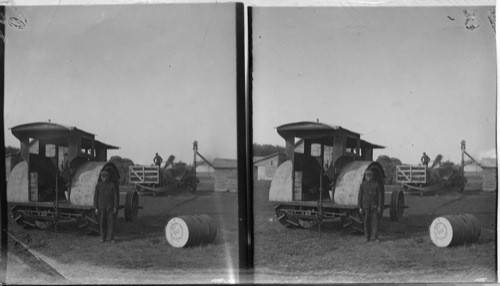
[[334, 227], [144, 225], [124, 231], [65, 227], [409, 225]]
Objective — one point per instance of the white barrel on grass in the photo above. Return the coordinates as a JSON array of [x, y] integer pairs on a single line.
[[190, 230], [454, 230]]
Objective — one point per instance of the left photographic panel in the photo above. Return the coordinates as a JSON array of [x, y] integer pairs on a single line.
[[120, 125]]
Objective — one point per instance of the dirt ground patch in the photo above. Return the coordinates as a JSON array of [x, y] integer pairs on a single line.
[[141, 254], [405, 254]]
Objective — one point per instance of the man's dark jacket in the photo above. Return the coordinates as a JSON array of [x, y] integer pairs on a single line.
[[425, 159], [106, 196], [370, 195]]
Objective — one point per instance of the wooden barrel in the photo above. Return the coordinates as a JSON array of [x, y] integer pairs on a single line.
[[454, 230], [183, 231]]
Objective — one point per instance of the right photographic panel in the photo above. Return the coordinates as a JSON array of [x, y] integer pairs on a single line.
[[374, 143]]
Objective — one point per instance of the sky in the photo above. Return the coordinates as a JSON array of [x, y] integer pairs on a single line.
[[146, 78], [413, 79]]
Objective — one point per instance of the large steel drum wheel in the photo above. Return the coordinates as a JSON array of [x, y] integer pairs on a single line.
[[131, 206], [397, 205]]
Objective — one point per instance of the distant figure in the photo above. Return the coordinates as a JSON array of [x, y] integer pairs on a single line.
[[106, 204], [370, 204], [157, 160], [425, 159]]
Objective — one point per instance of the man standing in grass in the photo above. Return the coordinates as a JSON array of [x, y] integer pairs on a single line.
[[370, 204], [106, 204]]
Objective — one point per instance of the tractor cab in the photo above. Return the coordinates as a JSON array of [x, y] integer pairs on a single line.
[[52, 154], [316, 154]]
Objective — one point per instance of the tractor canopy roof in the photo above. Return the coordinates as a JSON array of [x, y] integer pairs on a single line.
[[58, 134], [322, 133]]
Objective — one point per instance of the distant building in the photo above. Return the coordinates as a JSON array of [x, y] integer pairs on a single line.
[[205, 168], [265, 167], [483, 176], [489, 166], [226, 175]]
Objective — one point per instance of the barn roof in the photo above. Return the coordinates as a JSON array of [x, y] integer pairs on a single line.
[[258, 158], [225, 163]]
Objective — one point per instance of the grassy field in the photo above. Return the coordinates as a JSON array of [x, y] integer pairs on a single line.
[[141, 254], [405, 253], [282, 255]]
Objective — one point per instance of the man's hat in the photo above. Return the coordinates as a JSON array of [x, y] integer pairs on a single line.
[[104, 172], [368, 172]]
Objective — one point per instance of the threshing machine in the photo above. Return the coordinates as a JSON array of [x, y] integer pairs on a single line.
[[437, 178], [321, 177], [56, 180]]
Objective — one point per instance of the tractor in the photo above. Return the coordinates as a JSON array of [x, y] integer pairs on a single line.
[[56, 179], [320, 179]]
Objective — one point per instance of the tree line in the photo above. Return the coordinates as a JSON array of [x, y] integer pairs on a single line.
[[262, 150]]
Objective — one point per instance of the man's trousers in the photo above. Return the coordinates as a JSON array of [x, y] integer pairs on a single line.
[[371, 222], [107, 224]]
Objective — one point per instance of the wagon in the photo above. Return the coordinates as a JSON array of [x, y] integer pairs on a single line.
[[417, 179], [320, 179], [56, 179], [170, 178], [148, 179]]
